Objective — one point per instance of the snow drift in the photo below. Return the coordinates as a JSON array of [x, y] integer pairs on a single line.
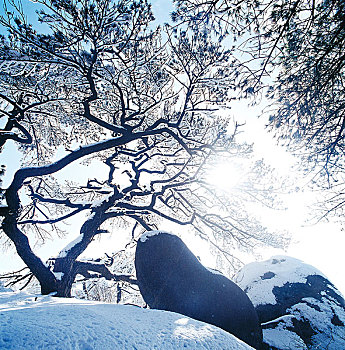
[[29, 321]]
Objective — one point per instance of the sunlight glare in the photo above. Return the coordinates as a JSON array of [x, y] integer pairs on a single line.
[[226, 176]]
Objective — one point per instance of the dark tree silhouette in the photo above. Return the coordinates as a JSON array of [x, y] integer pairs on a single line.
[[99, 84], [295, 50]]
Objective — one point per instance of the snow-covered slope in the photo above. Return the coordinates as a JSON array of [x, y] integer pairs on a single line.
[[32, 322]]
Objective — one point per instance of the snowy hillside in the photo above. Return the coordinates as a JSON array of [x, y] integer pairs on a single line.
[[29, 321]]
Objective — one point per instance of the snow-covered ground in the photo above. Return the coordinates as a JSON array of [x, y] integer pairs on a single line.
[[30, 322]]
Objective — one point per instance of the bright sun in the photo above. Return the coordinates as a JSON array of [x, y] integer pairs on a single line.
[[226, 176]]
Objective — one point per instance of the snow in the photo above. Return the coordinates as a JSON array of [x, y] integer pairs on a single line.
[[284, 339], [214, 271], [317, 319], [30, 321], [146, 235], [285, 269], [99, 202], [321, 319], [281, 336], [286, 318], [69, 246], [58, 275]]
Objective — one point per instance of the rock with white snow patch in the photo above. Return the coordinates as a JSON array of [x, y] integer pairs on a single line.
[[171, 278], [299, 308]]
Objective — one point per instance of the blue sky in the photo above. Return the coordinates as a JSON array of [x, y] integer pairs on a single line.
[[161, 9], [29, 10]]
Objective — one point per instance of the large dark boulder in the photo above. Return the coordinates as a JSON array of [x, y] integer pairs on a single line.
[[299, 308], [171, 278]]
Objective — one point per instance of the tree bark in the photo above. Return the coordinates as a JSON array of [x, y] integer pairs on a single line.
[[45, 277]]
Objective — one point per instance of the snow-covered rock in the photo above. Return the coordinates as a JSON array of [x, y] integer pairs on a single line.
[[35, 322], [299, 308]]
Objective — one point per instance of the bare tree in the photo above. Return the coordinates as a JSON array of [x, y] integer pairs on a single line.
[[295, 50], [100, 84]]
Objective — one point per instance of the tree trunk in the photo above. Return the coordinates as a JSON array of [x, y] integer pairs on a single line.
[[67, 268], [45, 277]]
